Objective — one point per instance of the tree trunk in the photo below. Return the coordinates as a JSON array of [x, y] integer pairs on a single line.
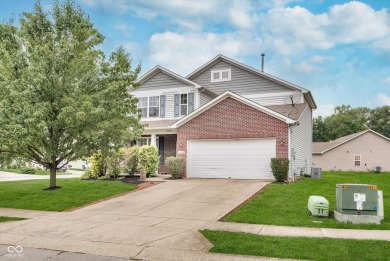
[[53, 172]]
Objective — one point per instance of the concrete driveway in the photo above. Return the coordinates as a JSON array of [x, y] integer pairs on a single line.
[[160, 222]]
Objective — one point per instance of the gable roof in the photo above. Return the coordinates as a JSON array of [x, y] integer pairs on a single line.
[[322, 147], [237, 97], [220, 57], [158, 69]]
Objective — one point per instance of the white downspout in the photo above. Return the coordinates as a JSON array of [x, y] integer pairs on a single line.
[[289, 153]]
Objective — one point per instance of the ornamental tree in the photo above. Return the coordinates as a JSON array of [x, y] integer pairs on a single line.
[[60, 98]]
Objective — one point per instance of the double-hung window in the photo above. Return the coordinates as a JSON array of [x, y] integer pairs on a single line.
[[183, 104], [221, 75], [143, 105], [154, 106], [357, 160]]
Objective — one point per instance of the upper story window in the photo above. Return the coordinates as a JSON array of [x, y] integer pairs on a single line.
[[143, 105], [357, 160], [154, 106], [221, 75], [183, 104], [150, 106]]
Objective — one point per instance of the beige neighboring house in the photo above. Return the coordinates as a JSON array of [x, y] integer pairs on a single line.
[[361, 151]]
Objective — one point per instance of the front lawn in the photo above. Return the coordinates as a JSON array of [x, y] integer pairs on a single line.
[[6, 219], [297, 247], [74, 193], [286, 204]]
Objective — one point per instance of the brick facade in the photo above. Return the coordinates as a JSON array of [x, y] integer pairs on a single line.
[[231, 119], [169, 149]]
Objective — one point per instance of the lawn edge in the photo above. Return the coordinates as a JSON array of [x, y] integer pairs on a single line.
[[244, 202]]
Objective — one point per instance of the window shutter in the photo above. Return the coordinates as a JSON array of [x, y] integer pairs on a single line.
[[162, 106], [177, 104], [190, 102]]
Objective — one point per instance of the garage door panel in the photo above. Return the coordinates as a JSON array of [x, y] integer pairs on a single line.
[[236, 159]]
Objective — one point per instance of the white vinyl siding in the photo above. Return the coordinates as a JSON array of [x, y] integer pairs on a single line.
[[301, 144], [160, 81], [233, 158], [204, 98], [272, 98]]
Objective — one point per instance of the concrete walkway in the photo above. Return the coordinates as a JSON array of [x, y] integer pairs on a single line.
[[9, 176], [270, 230]]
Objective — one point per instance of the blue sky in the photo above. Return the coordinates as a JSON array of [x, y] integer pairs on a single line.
[[340, 50]]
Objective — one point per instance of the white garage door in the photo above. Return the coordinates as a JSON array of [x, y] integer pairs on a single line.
[[233, 158]]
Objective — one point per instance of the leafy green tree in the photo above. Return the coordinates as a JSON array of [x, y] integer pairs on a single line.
[[60, 98], [346, 121], [343, 122], [320, 130], [379, 120]]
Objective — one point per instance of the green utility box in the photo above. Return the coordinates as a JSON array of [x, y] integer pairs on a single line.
[[318, 206], [357, 199]]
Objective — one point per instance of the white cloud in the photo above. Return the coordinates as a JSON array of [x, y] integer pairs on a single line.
[[357, 22], [239, 14], [125, 29], [383, 44], [383, 99], [324, 110], [307, 66], [352, 22], [320, 59], [110, 6], [184, 52]]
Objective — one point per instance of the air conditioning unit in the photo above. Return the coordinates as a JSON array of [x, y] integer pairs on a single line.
[[316, 173], [377, 169]]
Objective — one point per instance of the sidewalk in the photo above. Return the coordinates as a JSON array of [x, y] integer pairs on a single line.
[[9, 176], [269, 230]]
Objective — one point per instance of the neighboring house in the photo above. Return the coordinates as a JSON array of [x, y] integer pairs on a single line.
[[226, 119], [361, 151]]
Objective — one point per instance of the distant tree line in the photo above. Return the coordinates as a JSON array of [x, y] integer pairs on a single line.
[[347, 120]]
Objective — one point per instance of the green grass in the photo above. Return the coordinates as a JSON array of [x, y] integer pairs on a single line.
[[74, 193], [6, 219], [286, 204], [297, 247], [37, 172]]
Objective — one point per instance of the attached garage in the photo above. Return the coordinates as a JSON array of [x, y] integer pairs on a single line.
[[230, 158]]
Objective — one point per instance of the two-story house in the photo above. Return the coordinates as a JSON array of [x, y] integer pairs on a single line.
[[227, 119]]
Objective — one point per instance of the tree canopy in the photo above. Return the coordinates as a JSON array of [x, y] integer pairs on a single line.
[[60, 98], [347, 120]]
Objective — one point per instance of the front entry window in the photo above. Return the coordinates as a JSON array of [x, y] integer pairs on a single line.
[[145, 141]]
